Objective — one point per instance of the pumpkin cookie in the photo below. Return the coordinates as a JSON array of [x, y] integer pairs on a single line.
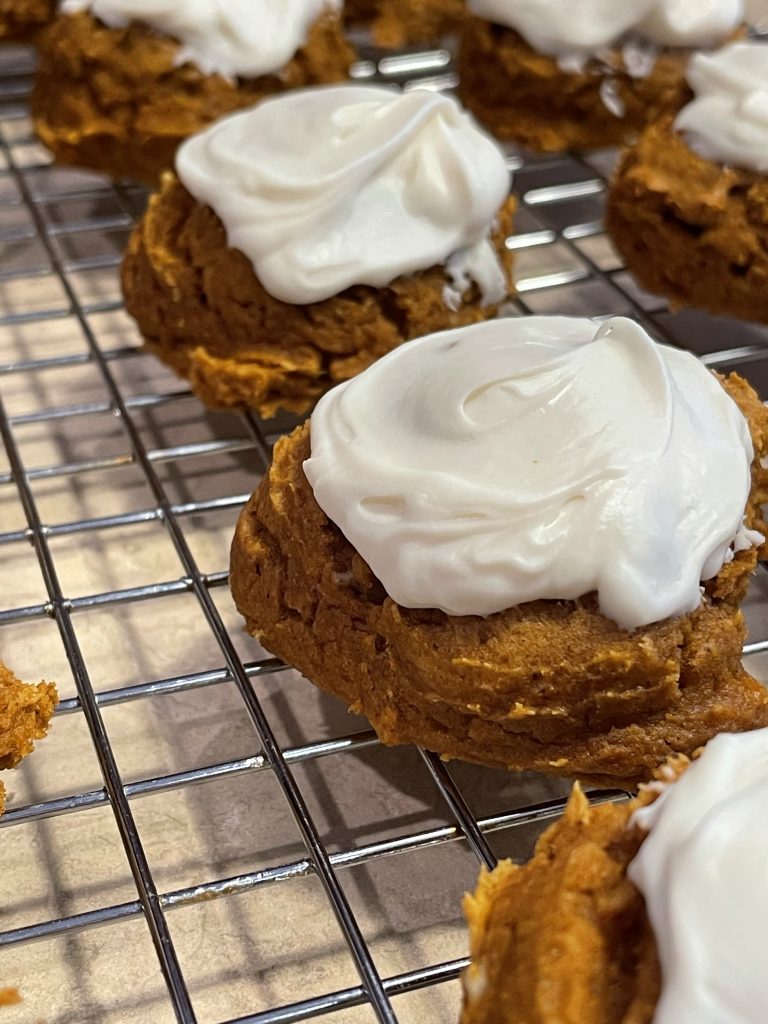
[[487, 544]]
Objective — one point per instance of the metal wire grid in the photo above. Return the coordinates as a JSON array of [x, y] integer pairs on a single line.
[[564, 265]]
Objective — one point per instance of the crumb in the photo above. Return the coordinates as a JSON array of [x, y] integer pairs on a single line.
[[25, 713]]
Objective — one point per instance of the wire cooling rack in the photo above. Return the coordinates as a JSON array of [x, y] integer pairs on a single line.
[[204, 837]]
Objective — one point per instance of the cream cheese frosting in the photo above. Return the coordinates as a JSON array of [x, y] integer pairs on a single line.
[[565, 28], [702, 870], [728, 120], [334, 186], [244, 38], [537, 458]]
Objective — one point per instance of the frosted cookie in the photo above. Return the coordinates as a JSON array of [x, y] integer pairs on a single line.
[[396, 23], [570, 74], [650, 912], [21, 20], [522, 543], [122, 82], [688, 206], [25, 713], [302, 239]]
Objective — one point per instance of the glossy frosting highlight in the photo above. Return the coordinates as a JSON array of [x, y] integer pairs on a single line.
[[244, 38], [728, 120], [536, 458], [585, 27], [335, 186], [702, 870]]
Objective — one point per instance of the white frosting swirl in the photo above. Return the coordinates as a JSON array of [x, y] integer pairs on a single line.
[[334, 186], [728, 120], [245, 38], [585, 27], [533, 458], [702, 870]]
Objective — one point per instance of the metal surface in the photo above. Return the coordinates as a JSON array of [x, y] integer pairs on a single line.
[[61, 234]]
